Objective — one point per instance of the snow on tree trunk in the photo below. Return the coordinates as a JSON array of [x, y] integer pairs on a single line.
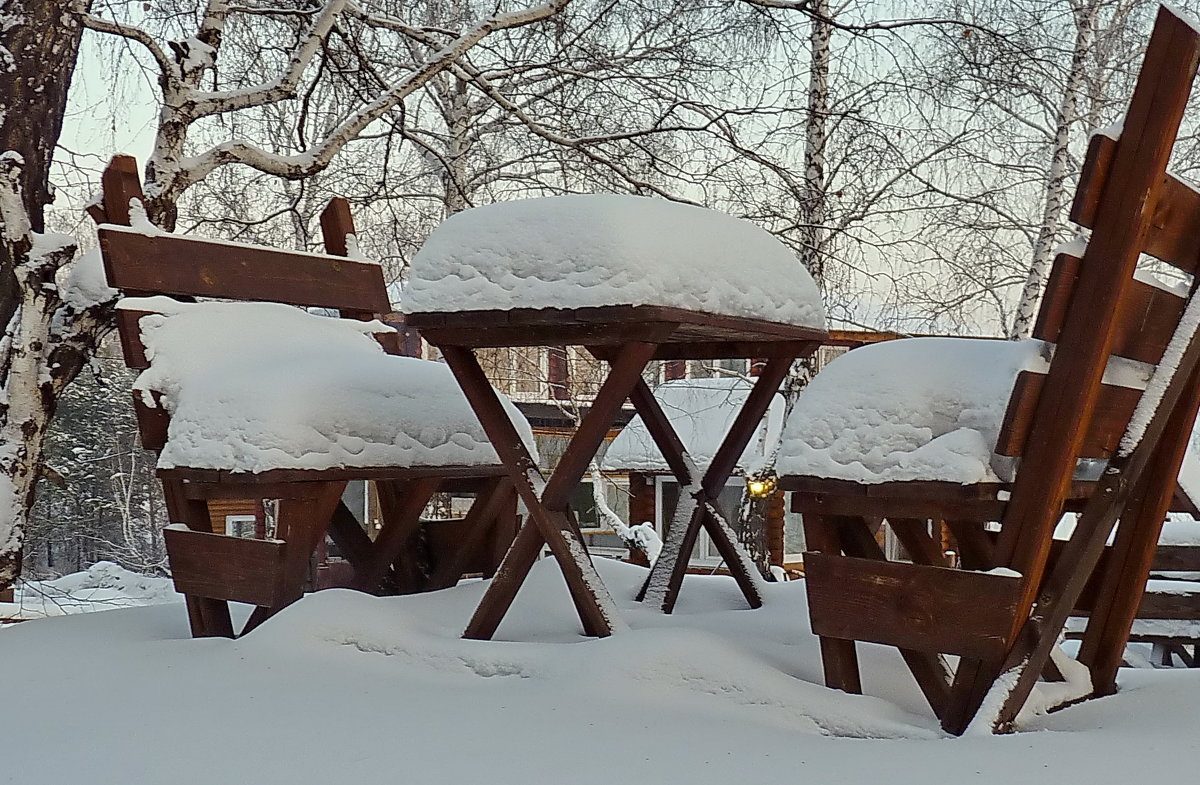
[[1056, 196], [49, 328]]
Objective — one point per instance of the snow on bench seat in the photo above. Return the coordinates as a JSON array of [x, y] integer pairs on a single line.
[[599, 250], [917, 409], [701, 411], [912, 409], [252, 387]]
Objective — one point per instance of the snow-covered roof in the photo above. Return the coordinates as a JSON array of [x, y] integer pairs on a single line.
[[701, 411], [258, 386], [597, 250]]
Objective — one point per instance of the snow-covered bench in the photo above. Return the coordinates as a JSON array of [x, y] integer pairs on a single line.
[[976, 432], [265, 400]]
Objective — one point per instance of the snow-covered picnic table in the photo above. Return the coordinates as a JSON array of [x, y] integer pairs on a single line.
[[632, 279]]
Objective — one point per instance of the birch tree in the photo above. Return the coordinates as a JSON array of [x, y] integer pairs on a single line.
[[54, 306]]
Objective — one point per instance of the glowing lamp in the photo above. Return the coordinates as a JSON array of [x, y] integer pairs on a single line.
[[760, 485]]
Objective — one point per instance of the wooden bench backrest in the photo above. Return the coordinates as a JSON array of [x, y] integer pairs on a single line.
[[1094, 308], [183, 267]]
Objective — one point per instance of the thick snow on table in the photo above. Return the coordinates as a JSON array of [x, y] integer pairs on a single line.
[[346, 687], [257, 386], [701, 411], [605, 249]]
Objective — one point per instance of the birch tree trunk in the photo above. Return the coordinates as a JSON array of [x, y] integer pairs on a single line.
[[48, 337], [1085, 13]]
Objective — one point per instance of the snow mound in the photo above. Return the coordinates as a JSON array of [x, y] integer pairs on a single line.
[[677, 665], [913, 409], [701, 411], [596, 250], [252, 387], [103, 586]]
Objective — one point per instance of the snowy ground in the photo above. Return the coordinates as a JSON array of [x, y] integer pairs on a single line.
[[103, 586], [344, 687]]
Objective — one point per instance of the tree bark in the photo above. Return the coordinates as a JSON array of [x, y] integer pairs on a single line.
[[45, 343], [1056, 196]]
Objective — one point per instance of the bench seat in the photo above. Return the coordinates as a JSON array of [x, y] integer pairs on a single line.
[[257, 387]]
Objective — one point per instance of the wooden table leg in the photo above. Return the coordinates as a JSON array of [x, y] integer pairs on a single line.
[[479, 523], [666, 576], [303, 523], [546, 500], [208, 617]]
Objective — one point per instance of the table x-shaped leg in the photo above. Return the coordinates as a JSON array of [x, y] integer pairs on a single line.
[[550, 520], [697, 500]]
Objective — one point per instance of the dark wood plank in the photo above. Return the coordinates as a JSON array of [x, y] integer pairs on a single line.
[[1177, 558], [153, 421], [881, 507], [1120, 594], [914, 536], [336, 223], [1056, 300], [225, 568], [180, 265], [976, 550], [1175, 221], [1148, 322], [120, 183], [596, 326], [910, 606], [130, 333], [1099, 439], [1122, 222]]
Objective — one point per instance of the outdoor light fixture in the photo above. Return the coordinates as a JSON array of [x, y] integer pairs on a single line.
[[760, 485]]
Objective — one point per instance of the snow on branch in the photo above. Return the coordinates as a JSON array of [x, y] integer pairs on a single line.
[[319, 155], [283, 86]]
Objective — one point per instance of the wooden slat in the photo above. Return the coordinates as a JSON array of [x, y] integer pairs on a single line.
[[1149, 314], [1148, 321], [872, 507], [130, 332], [1057, 297], [180, 265], [1101, 151], [225, 568], [152, 421], [1177, 558], [927, 609], [1174, 224], [601, 326], [1113, 409], [120, 183]]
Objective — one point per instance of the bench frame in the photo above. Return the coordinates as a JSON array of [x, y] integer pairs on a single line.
[[1093, 309], [212, 569]]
